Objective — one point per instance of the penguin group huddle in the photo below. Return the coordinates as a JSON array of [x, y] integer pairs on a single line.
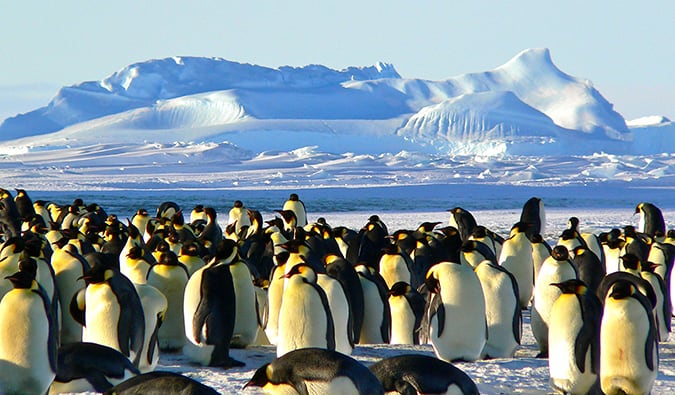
[[88, 302]]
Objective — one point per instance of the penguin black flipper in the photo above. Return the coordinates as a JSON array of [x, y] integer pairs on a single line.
[[437, 308], [131, 324], [76, 312], [154, 340], [652, 337], [589, 335], [417, 304], [52, 339], [330, 324]]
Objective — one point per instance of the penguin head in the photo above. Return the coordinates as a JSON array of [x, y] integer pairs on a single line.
[[568, 234], [294, 197], [629, 231], [399, 289], [573, 223], [520, 227], [189, 249], [536, 238], [98, 273], [622, 289], [22, 280], [572, 286], [210, 213], [630, 262], [226, 250], [238, 204], [560, 253], [302, 269], [428, 226], [480, 232], [168, 258], [177, 219], [135, 252], [260, 378]]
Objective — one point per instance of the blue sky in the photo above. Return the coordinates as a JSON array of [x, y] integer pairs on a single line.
[[626, 48]]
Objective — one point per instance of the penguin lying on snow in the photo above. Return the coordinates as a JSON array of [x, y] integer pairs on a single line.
[[161, 383], [310, 371], [422, 374]]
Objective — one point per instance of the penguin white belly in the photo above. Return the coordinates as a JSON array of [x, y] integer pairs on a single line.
[[136, 270], [500, 307], [658, 309], [394, 269], [195, 349], [154, 303], [246, 321], [337, 386], [339, 308], [544, 296], [279, 389], [24, 333], [67, 274], [302, 318], [565, 325], [101, 316], [402, 321], [170, 281], [373, 313], [274, 296], [516, 257], [622, 348], [612, 259]]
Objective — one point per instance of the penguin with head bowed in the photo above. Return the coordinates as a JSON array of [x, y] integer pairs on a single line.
[[135, 266], [494, 241], [376, 313], [348, 243], [463, 221], [629, 357], [209, 310], [636, 244], [24, 204], [371, 239], [456, 313], [574, 339], [28, 335], [516, 257], [111, 310], [651, 219], [502, 310], [474, 252], [394, 266], [451, 242], [170, 276], [212, 233], [305, 319], [167, 210], [90, 367], [534, 214], [315, 371], [160, 383], [407, 310], [591, 271], [556, 269], [190, 257], [422, 374], [612, 246], [341, 270], [298, 207]]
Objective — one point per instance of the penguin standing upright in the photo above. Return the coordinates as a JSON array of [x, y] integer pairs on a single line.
[[629, 357], [69, 267], [371, 239], [155, 305], [540, 251], [534, 215], [651, 219], [555, 269], [457, 325], [422, 374], [112, 314], [209, 310], [591, 271], [376, 313], [246, 319], [340, 269], [338, 304], [516, 257], [298, 207], [28, 338], [315, 371], [170, 277], [238, 215], [394, 266], [574, 338], [305, 319], [407, 311], [463, 221], [502, 310]]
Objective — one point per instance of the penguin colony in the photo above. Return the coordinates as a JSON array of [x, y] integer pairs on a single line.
[[89, 301]]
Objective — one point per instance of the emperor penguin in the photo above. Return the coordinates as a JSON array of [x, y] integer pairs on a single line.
[[629, 357], [407, 310], [516, 257], [474, 252], [591, 271], [612, 246], [197, 214], [376, 314], [463, 221], [135, 266], [305, 319], [155, 305], [338, 304], [574, 339], [394, 266], [212, 233], [161, 383], [24, 205], [422, 374], [663, 310], [209, 310], [90, 367], [275, 292], [534, 215], [246, 318], [371, 239], [298, 207], [112, 314], [343, 271], [502, 310], [140, 220], [170, 277], [316, 371], [167, 210], [457, 324], [190, 257], [651, 219], [28, 338], [238, 215], [489, 238], [556, 269], [69, 268]]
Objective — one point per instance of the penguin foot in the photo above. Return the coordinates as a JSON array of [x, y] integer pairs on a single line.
[[226, 363]]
